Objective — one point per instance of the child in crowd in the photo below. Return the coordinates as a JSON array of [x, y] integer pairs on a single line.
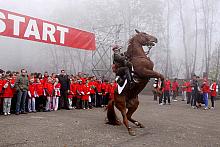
[[73, 88], [79, 92], [85, 96], [14, 99], [92, 84], [188, 92], [39, 94], [1, 91], [175, 87], [56, 96], [32, 95], [213, 94], [205, 92], [7, 94], [70, 95], [49, 88]]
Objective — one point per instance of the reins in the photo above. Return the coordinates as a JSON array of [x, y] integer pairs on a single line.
[[149, 48]]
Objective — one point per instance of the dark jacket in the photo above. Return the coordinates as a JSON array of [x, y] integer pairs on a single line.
[[195, 86], [65, 82], [119, 60], [21, 83]]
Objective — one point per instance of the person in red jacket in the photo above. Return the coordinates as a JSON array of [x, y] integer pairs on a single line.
[[8, 94], [39, 94], [213, 93], [56, 95], [1, 85], [167, 86], [107, 93], [183, 88], [1, 92], [32, 95], [175, 87], [70, 95], [73, 87], [79, 90], [45, 78], [49, 89], [85, 96], [92, 84], [188, 92], [205, 91]]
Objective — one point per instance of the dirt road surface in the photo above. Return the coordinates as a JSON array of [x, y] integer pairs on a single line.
[[175, 125]]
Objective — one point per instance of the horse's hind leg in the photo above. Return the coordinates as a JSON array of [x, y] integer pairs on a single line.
[[122, 108], [131, 109]]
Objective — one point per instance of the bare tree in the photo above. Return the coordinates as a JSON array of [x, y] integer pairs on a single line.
[[168, 38], [208, 9], [218, 62], [196, 37], [184, 40]]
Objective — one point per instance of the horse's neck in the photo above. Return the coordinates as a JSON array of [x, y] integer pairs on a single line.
[[135, 50]]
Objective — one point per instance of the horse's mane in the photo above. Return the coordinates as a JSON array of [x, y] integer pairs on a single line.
[[131, 39], [131, 43]]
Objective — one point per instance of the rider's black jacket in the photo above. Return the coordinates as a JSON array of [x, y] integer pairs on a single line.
[[119, 59]]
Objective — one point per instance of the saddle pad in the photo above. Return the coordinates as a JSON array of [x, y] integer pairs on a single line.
[[120, 88]]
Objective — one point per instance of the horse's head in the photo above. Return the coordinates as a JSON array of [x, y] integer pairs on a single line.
[[145, 39]]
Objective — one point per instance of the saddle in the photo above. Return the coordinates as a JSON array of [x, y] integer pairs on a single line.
[[121, 79]]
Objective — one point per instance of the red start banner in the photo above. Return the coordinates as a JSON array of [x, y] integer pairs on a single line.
[[30, 28]]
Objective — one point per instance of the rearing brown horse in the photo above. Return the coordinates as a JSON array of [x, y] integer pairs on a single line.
[[127, 102]]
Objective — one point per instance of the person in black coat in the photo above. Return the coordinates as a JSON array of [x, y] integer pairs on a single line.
[[65, 87]]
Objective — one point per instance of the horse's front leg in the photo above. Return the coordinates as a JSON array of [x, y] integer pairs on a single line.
[[150, 74], [131, 109], [125, 121], [122, 108]]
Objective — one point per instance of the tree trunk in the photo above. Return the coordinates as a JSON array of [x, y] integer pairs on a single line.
[[218, 62], [184, 40], [168, 39], [196, 37], [208, 30]]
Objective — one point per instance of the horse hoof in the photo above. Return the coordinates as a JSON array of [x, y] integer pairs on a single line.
[[118, 123], [141, 126], [132, 133]]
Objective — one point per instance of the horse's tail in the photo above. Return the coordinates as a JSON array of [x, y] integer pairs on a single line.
[[111, 115]]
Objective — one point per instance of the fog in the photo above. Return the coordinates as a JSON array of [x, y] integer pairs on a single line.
[[168, 20]]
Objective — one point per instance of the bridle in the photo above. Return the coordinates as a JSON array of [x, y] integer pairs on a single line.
[[149, 48]]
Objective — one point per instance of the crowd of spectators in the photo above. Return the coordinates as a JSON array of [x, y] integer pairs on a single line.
[[196, 92], [23, 92]]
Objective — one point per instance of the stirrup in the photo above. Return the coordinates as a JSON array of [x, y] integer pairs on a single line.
[[135, 80]]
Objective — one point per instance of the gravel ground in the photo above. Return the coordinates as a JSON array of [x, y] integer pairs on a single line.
[[175, 125]]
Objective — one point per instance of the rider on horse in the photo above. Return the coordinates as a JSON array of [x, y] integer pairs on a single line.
[[122, 67]]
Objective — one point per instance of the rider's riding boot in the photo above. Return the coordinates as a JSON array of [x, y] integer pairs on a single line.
[[130, 79]]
